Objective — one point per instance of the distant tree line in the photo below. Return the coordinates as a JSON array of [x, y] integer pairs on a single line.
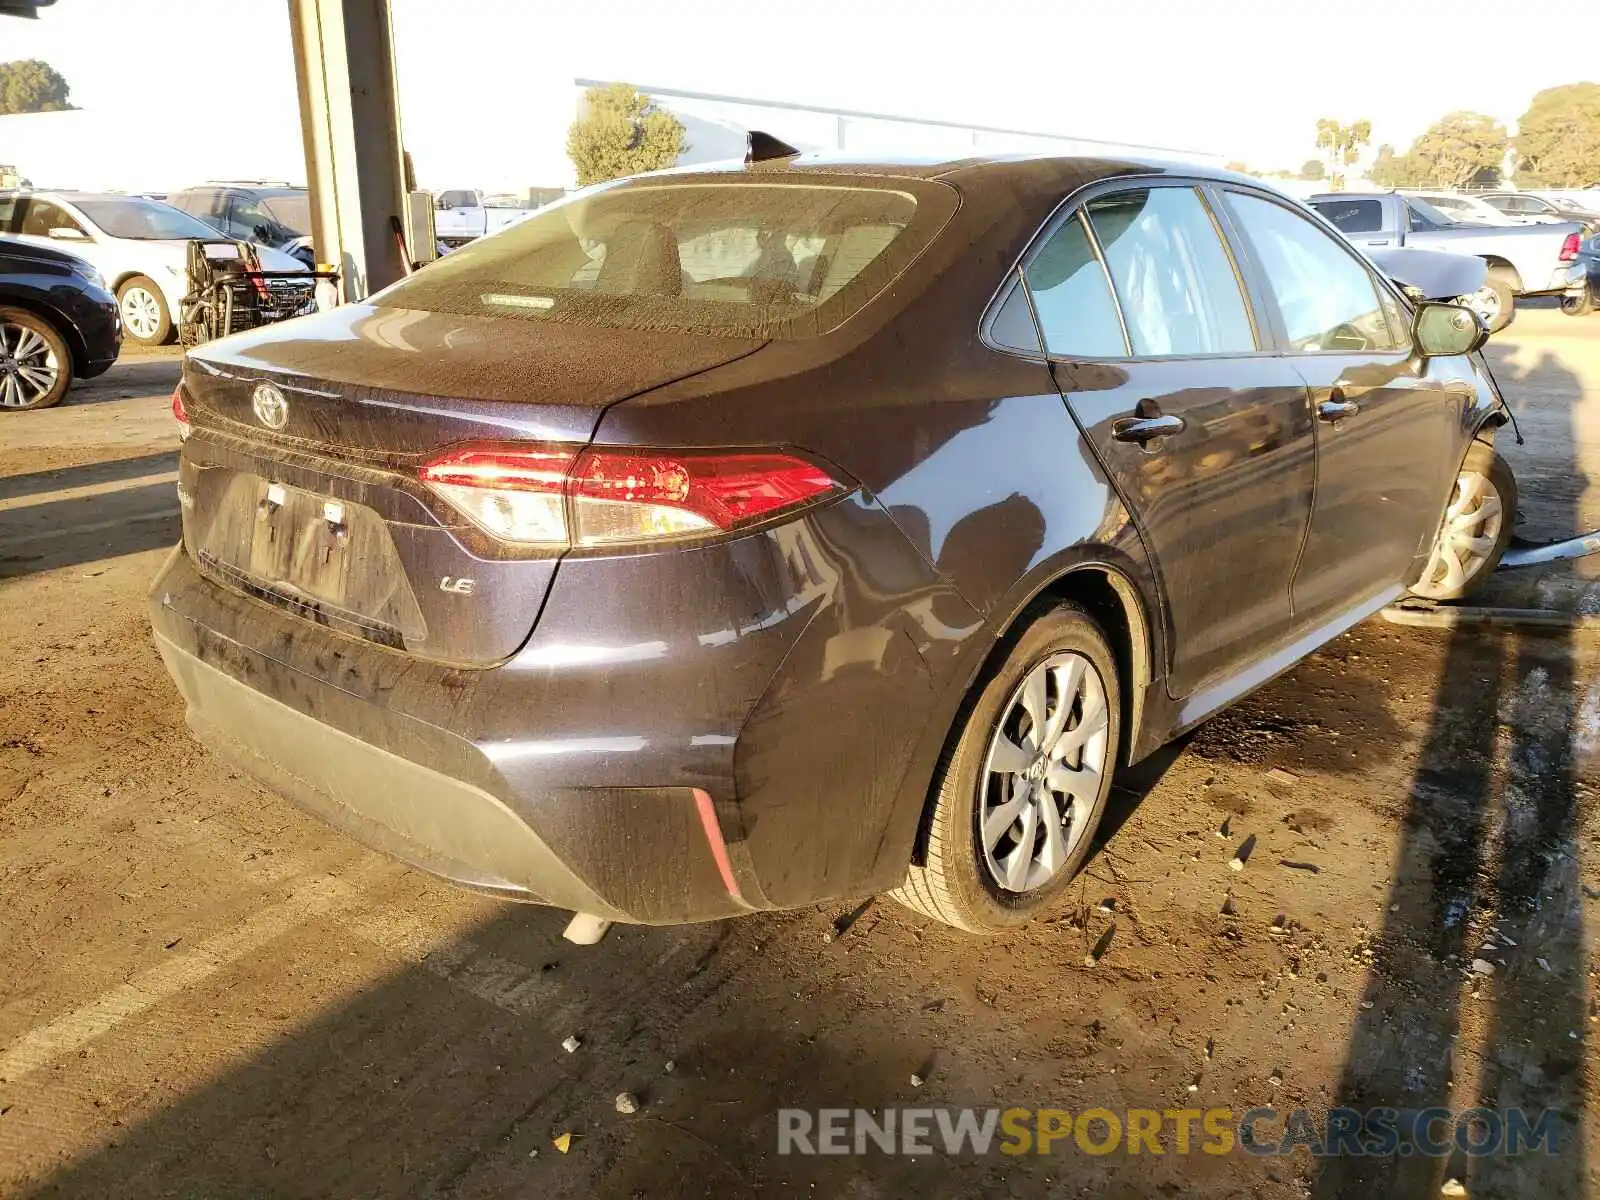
[[30, 85], [1557, 144]]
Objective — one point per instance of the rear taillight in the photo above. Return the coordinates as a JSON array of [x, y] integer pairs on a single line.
[[552, 496], [179, 413], [1569, 248]]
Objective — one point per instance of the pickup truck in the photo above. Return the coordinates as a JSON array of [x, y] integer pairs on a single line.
[[1524, 260], [462, 216]]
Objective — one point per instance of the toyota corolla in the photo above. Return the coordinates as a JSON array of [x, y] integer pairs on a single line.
[[748, 537]]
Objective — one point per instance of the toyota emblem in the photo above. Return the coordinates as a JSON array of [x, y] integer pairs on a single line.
[[272, 410]]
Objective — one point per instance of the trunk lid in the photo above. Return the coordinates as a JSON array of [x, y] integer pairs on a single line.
[[299, 482]]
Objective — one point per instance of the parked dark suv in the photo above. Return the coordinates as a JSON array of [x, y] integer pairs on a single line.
[[745, 538], [269, 214], [57, 323]]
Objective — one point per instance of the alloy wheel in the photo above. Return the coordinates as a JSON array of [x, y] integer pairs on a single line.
[[28, 366], [1042, 772], [141, 312], [1466, 537]]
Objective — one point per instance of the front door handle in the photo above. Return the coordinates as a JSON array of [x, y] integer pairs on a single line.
[[1145, 429], [1337, 410]]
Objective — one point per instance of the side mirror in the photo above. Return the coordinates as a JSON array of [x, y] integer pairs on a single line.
[[65, 233], [1446, 329]]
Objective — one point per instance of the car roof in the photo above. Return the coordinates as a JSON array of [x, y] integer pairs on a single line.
[[966, 168], [74, 197]]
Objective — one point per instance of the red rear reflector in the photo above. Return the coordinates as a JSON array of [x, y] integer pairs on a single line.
[[556, 496], [1569, 248], [179, 413]]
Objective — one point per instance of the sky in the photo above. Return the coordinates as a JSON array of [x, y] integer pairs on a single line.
[[486, 85]]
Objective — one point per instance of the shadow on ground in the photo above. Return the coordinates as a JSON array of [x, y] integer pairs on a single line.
[[1488, 873]]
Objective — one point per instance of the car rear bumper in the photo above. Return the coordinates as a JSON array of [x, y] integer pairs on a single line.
[[1568, 279], [417, 791], [749, 745]]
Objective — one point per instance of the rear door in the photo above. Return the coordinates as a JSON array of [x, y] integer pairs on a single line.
[[1206, 433], [1387, 429]]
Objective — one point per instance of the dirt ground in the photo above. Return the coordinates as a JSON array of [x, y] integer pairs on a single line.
[[204, 993]]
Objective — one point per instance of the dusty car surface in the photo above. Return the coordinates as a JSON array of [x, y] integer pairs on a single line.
[[747, 537]]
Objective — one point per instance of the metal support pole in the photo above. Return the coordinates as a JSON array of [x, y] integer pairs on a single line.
[[350, 121]]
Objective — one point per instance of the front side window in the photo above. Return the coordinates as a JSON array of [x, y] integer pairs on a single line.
[[1178, 290], [1077, 312], [1327, 298], [39, 217]]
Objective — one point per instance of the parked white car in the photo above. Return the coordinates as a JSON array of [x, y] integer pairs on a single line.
[[1468, 208], [140, 246]]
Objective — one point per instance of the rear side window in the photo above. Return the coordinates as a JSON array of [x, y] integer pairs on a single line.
[[1179, 292], [764, 259], [1326, 297], [1352, 216], [1077, 312]]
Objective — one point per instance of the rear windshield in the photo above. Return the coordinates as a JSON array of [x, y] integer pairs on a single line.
[[1352, 216], [740, 259]]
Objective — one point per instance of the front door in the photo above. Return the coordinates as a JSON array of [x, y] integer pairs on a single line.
[[1387, 429], [1206, 436]]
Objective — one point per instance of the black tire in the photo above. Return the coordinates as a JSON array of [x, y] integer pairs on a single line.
[[1578, 306], [1484, 461], [57, 354], [161, 332], [954, 884], [1501, 283]]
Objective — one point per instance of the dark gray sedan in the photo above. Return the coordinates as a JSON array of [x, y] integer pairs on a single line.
[[745, 538]]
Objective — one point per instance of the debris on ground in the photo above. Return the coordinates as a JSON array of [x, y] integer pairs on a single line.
[[627, 1103], [1100, 947], [1453, 1187], [917, 1080], [562, 1142], [1482, 966], [1108, 905], [1242, 855], [571, 1043], [1280, 776], [670, 1067]]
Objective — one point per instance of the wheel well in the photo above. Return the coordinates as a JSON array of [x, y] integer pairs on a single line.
[[67, 330], [1116, 606], [1505, 270]]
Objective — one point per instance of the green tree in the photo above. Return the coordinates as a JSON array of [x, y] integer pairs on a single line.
[[30, 85], [1393, 170], [1313, 168], [1558, 138], [620, 131], [1457, 148], [1340, 147]]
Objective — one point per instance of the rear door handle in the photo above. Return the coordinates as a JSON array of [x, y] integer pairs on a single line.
[[1337, 410], [1145, 429], [1378, 241]]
